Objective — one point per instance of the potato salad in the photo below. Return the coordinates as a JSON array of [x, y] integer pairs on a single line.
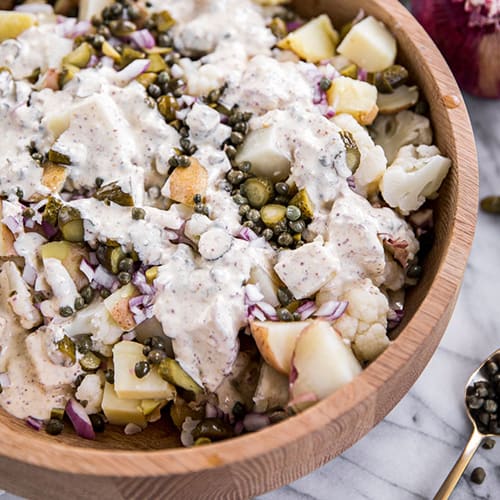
[[210, 211]]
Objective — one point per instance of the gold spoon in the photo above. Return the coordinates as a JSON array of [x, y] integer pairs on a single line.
[[476, 437]]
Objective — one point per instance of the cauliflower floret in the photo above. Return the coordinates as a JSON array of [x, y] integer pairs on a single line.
[[373, 162], [20, 298], [91, 390], [365, 320], [392, 132], [416, 174]]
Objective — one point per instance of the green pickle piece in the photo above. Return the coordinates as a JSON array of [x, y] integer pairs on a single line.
[[51, 211], [272, 214], [57, 413], [90, 362], [112, 258], [157, 63], [70, 223], [258, 191], [172, 372], [179, 411], [67, 347], [302, 201], [80, 57], [146, 79], [351, 71], [129, 55], [67, 74], [56, 157], [113, 192], [167, 106], [163, 20]]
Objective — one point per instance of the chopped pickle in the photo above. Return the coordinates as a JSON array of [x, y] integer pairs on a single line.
[[129, 55], [80, 57], [149, 406], [390, 79], [159, 50], [108, 50], [278, 28], [151, 274], [353, 155], [302, 201], [157, 63], [258, 191], [172, 372], [202, 440], [167, 106], [163, 20], [113, 192], [90, 362], [272, 214], [51, 210], [179, 411], [212, 428], [112, 258], [67, 347], [70, 223], [147, 79], [67, 74], [351, 71], [57, 413], [56, 157]]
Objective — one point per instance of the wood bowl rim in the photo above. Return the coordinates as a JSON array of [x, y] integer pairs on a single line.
[[32, 449]]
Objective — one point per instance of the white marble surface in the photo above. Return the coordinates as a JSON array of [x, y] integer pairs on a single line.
[[407, 456]]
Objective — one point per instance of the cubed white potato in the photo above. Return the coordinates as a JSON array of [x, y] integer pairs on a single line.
[[306, 269], [276, 341], [90, 392], [272, 390], [314, 42], [117, 305], [323, 363], [370, 45], [355, 98], [261, 149], [127, 385], [121, 411], [58, 122], [12, 24]]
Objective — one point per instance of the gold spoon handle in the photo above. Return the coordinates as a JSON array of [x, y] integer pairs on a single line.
[[458, 469]]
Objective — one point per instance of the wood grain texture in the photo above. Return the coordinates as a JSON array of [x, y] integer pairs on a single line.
[[147, 467]]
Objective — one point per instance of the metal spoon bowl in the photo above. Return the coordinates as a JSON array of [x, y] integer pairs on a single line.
[[476, 437]]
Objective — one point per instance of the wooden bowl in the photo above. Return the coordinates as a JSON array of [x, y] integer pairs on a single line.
[[147, 466]]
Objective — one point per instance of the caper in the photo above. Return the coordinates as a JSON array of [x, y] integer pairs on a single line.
[[231, 152], [79, 303], [141, 369], [278, 28], [235, 177], [163, 78], [116, 10], [201, 208], [273, 214], [109, 376], [284, 314], [165, 40], [154, 90], [258, 191], [249, 224], [490, 406], [126, 265], [99, 181], [478, 475], [492, 367], [285, 296], [488, 444], [239, 199], [414, 271], [293, 213], [237, 138], [184, 161], [214, 95], [245, 167], [66, 311], [268, 234], [28, 213], [138, 213], [325, 84], [98, 423], [244, 209], [285, 239], [54, 427], [124, 278], [156, 356], [253, 215], [185, 143], [280, 227], [298, 226], [212, 428], [87, 294], [491, 204], [241, 127], [84, 344], [146, 350], [282, 188], [122, 28], [97, 41]]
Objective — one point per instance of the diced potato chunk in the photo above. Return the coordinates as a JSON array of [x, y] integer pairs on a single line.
[[370, 45], [117, 305], [314, 42], [12, 24], [185, 182], [261, 149], [276, 341], [122, 411], [354, 97], [127, 385]]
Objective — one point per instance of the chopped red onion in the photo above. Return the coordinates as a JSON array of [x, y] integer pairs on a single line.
[[49, 230], [210, 411], [13, 223], [332, 310], [35, 423], [80, 420], [140, 282], [267, 309], [131, 429], [394, 318], [129, 335], [307, 309], [294, 25], [255, 421], [87, 269], [35, 8], [29, 274], [362, 75], [133, 70], [141, 307], [4, 380], [93, 261], [143, 39], [330, 112], [351, 182], [69, 28], [247, 234], [104, 278], [255, 313], [238, 428]]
